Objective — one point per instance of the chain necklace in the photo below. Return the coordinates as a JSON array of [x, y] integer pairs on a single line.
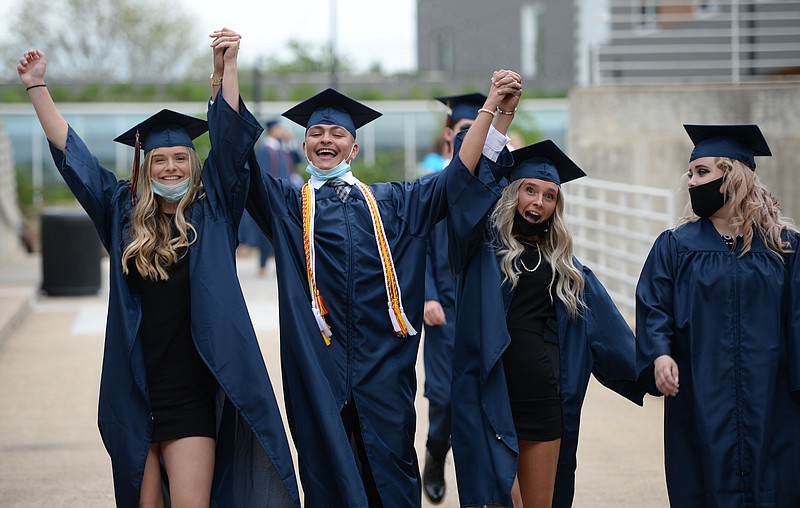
[[538, 263]]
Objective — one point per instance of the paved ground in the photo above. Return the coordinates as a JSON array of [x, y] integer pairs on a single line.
[[51, 454]]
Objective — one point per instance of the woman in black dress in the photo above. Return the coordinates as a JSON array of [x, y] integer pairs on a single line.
[[185, 399]]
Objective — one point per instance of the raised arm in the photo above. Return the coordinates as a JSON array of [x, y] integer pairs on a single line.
[[32, 67], [226, 50], [504, 96]]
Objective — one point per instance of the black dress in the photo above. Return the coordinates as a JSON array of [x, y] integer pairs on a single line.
[[182, 389], [531, 361]]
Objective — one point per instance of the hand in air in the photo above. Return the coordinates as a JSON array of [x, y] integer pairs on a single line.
[[32, 68]]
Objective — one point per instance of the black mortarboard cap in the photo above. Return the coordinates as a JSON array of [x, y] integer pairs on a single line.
[[330, 107], [271, 123], [740, 142], [545, 161], [462, 106], [164, 129]]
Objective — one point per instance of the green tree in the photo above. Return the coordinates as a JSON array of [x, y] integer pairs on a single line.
[[306, 58], [106, 40]]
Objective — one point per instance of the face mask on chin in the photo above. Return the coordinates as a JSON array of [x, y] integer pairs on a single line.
[[528, 229], [707, 199], [170, 193], [340, 169]]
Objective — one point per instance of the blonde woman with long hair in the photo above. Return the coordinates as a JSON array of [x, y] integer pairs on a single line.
[[186, 410], [532, 324], [718, 331]]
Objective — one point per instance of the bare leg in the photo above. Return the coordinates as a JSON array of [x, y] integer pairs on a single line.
[[151, 495], [516, 495], [538, 462], [190, 468]]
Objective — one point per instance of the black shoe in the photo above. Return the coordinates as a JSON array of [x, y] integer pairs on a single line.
[[433, 478]]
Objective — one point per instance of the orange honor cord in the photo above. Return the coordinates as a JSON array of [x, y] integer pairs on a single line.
[[400, 322], [317, 304]]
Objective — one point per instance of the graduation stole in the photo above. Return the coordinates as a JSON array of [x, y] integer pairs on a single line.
[[400, 323]]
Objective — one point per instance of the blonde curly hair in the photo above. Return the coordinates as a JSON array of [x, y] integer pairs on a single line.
[[753, 208], [556, 248], [151, 245]]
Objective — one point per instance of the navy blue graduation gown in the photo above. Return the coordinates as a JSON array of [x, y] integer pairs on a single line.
[[440, 285], [366, 363], [253, 463], [599, 342], [732, 324]]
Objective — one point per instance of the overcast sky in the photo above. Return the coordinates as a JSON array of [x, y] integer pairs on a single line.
[[367, 30]]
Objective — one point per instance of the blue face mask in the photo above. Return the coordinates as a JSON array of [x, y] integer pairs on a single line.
[[171, 193], [340, 169]]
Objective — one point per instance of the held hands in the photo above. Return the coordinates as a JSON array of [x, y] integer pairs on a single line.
[[225, 47], [666, 374], [505, 92], [32, 68]]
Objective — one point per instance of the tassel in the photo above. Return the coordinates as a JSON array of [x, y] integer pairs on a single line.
[[411, 330], [135, 175], [323, 326]]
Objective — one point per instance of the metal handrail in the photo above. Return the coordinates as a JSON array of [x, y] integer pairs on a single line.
[[613, 226]]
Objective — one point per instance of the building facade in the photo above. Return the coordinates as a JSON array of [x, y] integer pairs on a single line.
[[462, 41]]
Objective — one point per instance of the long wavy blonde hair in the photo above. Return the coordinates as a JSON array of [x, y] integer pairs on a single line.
[[556, 248], [151, 246], [753, 208]]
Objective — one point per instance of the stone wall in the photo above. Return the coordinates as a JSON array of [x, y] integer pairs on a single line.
[[635, 134]]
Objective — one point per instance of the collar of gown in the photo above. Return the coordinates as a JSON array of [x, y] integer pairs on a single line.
[[316, 182]]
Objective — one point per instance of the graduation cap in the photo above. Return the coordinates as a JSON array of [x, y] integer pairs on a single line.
[[271, 123], [545, 161], [739, 142], [164, 129], [462, 106], [330, 107]]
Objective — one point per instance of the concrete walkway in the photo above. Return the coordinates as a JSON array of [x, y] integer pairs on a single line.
[[51, 454]]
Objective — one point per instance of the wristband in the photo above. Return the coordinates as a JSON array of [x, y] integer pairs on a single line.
[[484, 110], [34, 86], [506, 112], [214, 81]]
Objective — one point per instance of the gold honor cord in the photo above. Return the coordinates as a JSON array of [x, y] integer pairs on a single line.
[[400, 322]]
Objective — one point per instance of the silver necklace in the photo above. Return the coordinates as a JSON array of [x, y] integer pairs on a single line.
[[531, 270]]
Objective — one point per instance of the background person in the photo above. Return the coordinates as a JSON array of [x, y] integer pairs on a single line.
[[439, 313], [278, 155]]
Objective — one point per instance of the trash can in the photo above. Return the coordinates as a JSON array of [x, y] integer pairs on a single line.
[[71, 252]]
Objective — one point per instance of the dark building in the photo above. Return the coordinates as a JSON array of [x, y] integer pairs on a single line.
[[461, 41]]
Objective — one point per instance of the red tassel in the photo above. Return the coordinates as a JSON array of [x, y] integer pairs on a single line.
[[135, 176]]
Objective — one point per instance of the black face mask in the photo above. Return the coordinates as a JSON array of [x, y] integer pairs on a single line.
[[707, 199], [525, 228]]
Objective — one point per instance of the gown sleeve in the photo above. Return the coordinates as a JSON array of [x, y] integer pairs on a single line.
[[431, 291], [93, 185], [268, 195], [611, 340], [793, 267], [470, 201], [233, 135], [655, 308]]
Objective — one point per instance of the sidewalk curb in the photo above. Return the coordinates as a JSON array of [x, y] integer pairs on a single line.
[[19, 289], [15, 305]]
